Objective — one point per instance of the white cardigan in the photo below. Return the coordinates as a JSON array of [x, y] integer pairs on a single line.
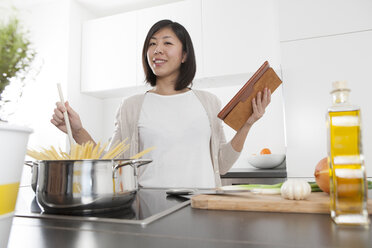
[[222, 154]]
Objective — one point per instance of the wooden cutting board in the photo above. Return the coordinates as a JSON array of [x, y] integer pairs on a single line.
[[317, 202]]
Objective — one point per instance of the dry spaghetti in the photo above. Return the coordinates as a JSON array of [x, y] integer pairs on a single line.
[[85, 151]]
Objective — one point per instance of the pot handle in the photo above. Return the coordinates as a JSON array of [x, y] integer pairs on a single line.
[[135, 163], [30, 163], [132, 162]]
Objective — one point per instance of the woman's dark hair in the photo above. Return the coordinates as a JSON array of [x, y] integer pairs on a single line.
[[188, 68]]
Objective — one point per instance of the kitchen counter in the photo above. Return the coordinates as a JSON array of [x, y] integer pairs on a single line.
[[253, 175], [254, 172], [190, 227]]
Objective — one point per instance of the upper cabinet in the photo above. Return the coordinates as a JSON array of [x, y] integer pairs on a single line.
[[187, 13], [239, 35], [327, 18], [109, 55], [229, 38]]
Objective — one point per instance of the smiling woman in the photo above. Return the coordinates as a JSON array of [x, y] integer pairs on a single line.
[[182, 123], [168, 51]]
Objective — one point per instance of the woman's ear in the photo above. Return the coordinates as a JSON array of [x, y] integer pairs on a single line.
[[184, 57]]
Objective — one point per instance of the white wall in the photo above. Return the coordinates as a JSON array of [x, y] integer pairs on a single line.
[[55, 32], [89, 108], [321, 42], [48, 26]]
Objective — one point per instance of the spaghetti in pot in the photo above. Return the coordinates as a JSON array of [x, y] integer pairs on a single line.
[[85, 151]]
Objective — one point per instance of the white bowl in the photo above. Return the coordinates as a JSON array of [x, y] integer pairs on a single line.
[[266, 161]]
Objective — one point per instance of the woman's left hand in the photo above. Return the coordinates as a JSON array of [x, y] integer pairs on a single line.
[[259, 104]]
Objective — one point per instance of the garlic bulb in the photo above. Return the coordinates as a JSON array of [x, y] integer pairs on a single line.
[[295, 189]]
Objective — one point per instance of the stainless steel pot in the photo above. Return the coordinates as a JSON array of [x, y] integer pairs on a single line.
[[85, 186]]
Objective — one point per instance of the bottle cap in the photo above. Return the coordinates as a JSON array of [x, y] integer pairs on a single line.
[[339, 85]]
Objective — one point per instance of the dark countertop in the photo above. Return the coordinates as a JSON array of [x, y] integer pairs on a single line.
[[189, 227], [252, 175], [251, 172], [255, 173]]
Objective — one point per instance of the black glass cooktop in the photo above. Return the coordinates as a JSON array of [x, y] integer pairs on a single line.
[[148, 205]]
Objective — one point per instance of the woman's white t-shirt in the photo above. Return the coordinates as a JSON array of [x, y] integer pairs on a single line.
[[178, 126]]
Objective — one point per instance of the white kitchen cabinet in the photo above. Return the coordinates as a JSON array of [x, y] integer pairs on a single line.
[[239, 35], [316, 18], [187, 13], [109, 53], [309, 67]]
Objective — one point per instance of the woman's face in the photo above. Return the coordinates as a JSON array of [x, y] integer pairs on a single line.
[[165, 54]]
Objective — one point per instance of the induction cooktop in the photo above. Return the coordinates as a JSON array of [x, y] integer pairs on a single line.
[[148, 206]]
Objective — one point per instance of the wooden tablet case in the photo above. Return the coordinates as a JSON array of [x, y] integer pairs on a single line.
[[238, 110]]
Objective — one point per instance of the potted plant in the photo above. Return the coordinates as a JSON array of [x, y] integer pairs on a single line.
[[16, 56]]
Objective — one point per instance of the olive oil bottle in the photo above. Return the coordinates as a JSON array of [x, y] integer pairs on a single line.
[[348, 184]]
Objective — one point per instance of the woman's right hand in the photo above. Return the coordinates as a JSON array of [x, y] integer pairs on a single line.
[[59, 121]]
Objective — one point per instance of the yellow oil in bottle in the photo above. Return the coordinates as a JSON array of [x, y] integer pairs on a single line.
[[348, 191]]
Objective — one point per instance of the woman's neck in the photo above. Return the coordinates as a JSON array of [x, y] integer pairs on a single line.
[[166, 88]]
